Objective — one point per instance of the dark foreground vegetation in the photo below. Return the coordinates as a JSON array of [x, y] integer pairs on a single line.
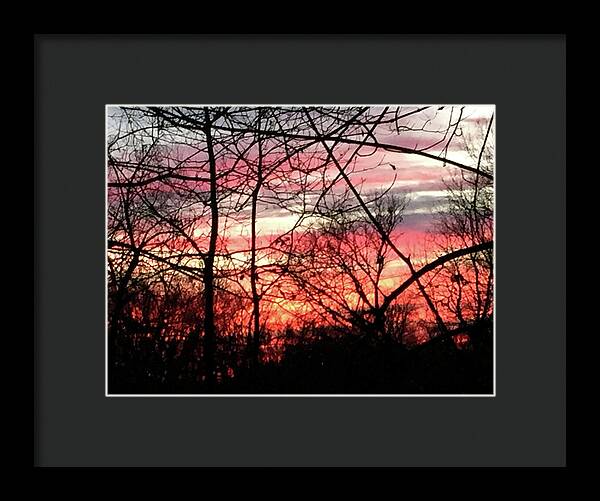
[[326, 363]]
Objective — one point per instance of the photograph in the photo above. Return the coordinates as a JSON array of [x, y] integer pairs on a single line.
[[264, 250]]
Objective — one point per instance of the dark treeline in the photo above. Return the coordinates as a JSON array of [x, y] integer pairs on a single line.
[[201, 300], [316, 361]]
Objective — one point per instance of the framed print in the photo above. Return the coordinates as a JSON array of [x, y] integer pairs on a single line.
[[300, 250]]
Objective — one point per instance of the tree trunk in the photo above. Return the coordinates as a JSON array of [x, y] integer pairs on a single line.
[[210, 337], [379, 323], [255, 340], [255, 337]]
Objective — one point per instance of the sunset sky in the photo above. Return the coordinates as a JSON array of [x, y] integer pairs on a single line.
[[421, 179]]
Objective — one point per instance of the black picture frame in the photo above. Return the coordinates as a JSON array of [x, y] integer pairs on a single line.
[[523, 425]]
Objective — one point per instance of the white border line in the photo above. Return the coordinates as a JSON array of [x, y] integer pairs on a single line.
[[269, 395]]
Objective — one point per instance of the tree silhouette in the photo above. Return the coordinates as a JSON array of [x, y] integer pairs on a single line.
[[203, 298]]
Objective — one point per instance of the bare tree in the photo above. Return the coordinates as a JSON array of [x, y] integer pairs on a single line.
[[340, 263], [188, 187], [466, 286]]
